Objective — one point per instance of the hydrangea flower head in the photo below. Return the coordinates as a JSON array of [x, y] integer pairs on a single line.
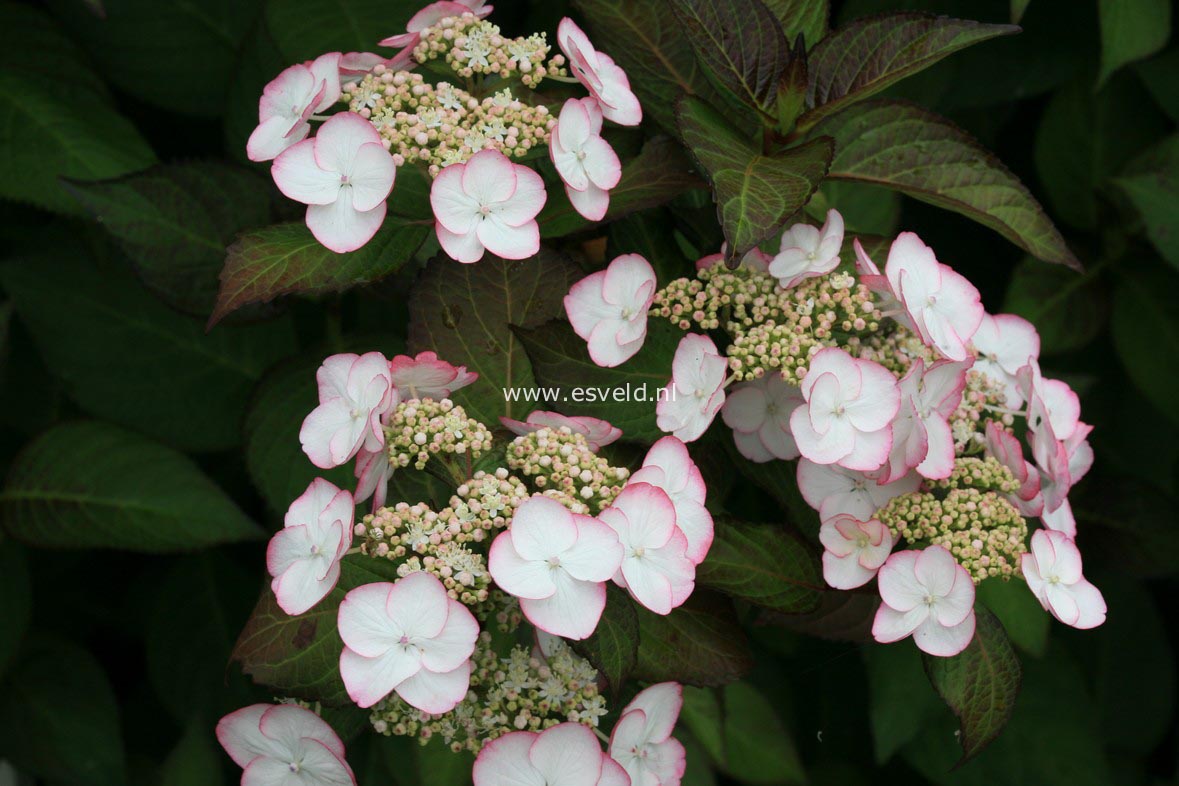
[[1053, 573], [487, 204], [655, 566], [609, 309], [597, 432], [344, 175], [355, 392], [641, 740], [929, 596], [921, 435], [431, 15], [409, 637], [304, 556], [587, 164], [848, 413], [688, 404], [941, 305], [427, 376], [602, 78], [1004, 343], [281, 744], [289, 101], [556, 562], [808, 251]]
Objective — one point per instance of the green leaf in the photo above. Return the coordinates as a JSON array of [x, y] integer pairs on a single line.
[[127, 357], [300, 655], [1131, 30], [840, 616], [15, 600], [42, 139], [1020, 613], [657, 175], [870, 54], [764, 565], [979, 684], [779, 479], [1083, 139], [1145, 318], [305, 29], [59, 719], [916, 152], [1018, 9], [613, 647], [900, 701], [755, 194], [646, 234], [1121, 513], [191, 627], [700, 643], [285, 259], [86, 485], [743, 735], [563, 369], [196, 760], [174, 222], [1151, 182], [1157, 74], [1068, 309], [802, 17], [645, 40], [175, 54], [34, 46], [742, 44], [466, 313]]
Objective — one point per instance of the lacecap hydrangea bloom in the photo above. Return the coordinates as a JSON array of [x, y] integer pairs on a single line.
[[338, 129], [897, 394]]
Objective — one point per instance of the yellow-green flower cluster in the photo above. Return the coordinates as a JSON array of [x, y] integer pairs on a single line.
[[968, 515], [773, 330], [472, 46], [522, 692], [421, 428], [441, 124], [560, 464]]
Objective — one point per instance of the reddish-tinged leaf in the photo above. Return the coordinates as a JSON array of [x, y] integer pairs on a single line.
[[870, 54], [700, 643], [916, 152], [285, 259], [764, 565]]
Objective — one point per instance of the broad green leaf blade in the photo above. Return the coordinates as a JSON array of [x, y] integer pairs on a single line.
[[743, 735], [42, 138], [33, 45], [614, 646], [125, 356], [647, 42], [979, 684], [900, 700], [59, 717], [841, 616], [15, 600], [1068, 310], [88, 485], [1020, 613], [700, 643], [466, 313], [196, 760], [1145, 318], [1157, 74], [741, 43], [1151, 182], [779, 479], [305, 29], [807, 18], [285, 259], [863, 58], [1131, 30], [755, 194], [174, 54], [561, 364], [1018, 9], [300, 655], [174, 222], [764, 565], [657, 175], [918, 153]]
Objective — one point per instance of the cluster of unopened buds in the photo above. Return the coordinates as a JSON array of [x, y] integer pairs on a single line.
[[536, 540], [464, 131], [897, 394]]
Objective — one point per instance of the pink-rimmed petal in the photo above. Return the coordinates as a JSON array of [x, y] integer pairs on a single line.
[[452, 646], [935, 639], [891, 625], [300, 178], [368, 680], [596, 555], [567, 754], [435, 692], [517, 576], [542, 528], [592, 203], [341, 227], [455, 209], [504, 762], [489, 177], [572, 611], [526, 201], [506, 241], [240, 735], [372, 176], [465, 248]]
